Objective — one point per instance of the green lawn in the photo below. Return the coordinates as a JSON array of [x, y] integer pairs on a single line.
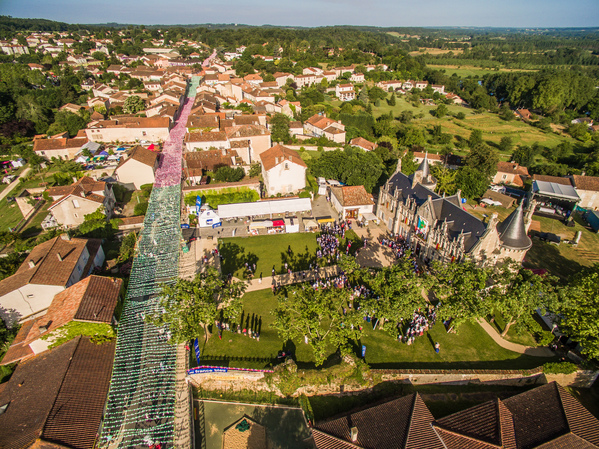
[[11, 214], [471, 348], [268, 251]]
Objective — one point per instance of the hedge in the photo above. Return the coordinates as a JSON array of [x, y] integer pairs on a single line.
[[229, 195]]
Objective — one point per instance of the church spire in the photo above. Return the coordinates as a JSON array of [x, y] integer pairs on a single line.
[[512, 231]]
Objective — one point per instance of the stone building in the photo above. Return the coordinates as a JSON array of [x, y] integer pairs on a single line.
[[438, 228]]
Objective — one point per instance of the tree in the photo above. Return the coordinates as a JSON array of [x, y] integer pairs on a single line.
[[505, 112], [279, 125], [10, 264], [392, 101], [229, 174], [441, 111], [484, 159], [472, 182], [255, 170], [127, 249], [323, 316], [461, 289], [189, 307], [524, 155], [133, 105], [398, 292], [578, 310], [363, 95], [476, 138], [95, 225], [518, 292], [408, 164], [506, 144], [69, 122], [445, 179]]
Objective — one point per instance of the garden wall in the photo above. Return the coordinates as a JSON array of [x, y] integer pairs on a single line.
[[237, 381]]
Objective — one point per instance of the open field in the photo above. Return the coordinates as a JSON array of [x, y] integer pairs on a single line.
[[492, 126], [468, 70], [436, 51], [469, 349]]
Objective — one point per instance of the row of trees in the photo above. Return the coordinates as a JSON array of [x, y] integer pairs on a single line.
[[328, 318]]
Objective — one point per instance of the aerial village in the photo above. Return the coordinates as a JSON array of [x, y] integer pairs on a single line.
[[211, 260]]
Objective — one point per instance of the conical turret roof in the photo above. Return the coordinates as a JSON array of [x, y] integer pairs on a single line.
[[423, 167], [512, 231]]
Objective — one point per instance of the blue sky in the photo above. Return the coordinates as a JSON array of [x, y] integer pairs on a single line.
[[500, 13]]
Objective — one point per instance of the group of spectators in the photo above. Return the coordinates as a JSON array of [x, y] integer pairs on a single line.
[[419, 324]]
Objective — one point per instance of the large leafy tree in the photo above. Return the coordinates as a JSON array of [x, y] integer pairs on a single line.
[[483, 158], [472, 182], [578, 310], [279, 124], [323, 316], [397, 293], [189, 307], [133, 105], [462, 290], [518, 292]]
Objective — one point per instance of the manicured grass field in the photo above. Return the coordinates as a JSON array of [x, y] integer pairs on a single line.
[[469, 349], [268, 251]]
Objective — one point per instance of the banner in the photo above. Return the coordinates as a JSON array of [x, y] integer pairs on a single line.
[[217, 225], [207, 370], [196, 347], [198, 205], [363, 351]]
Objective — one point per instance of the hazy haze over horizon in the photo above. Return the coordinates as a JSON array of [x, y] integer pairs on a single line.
[[384, 13]]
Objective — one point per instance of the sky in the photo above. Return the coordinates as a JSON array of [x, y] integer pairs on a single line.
[[401, 13]]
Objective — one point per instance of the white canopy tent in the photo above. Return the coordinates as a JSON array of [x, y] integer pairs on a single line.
[[264, 208]]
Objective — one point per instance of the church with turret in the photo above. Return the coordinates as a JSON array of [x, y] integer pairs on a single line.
[[438, 228]]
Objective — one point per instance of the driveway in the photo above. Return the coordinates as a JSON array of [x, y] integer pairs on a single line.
[[13, 184]]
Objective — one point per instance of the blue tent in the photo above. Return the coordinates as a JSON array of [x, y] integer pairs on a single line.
[[592, 218], [103, 153]]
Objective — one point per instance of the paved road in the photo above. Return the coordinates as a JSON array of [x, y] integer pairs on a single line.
[[13, 184]]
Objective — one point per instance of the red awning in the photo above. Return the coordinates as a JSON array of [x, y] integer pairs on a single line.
[[151, 147], [278, 223]]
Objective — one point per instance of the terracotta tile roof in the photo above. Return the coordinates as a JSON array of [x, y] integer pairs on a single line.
[[141, 154], [556, 179], [320, 121], [210, 159], [211, 136], [485, 425], [326, 441], [246, 120], [244, 131], [48, 269], [253, 438], [512, 168], [85, 185], [586, 182], [133, 122], [278, 154], [549, 412], [58, 144], [31, 392], [349, 196], [77, 411], [132, 220], [402, 423], [363, 143], [203, 121]]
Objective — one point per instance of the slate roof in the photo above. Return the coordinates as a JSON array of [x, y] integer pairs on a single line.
[[350, 196], [448, 208], [277, 155], [512, 231], [63, 404], [402, 423]]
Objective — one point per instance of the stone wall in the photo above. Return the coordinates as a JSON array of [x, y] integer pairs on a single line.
[[237, 381]]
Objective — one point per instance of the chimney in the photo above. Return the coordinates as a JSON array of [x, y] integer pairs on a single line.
[[31, 264], [354, 434], [224, 152], [82, 194], [276, 160], [59, 257], [74, 178]]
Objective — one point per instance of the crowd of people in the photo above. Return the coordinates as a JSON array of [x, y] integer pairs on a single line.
[[420, 323], [401, 248]]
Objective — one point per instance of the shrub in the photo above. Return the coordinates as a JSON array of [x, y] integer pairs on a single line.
[[559, 368], [229, 195], [140, 208], [460, 116]]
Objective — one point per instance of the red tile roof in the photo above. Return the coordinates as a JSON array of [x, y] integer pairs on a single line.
[[512, 168], [556, 179], [586, 182], [48, 269], [141, 154], [278, 154], [349, 196], [58, 144]]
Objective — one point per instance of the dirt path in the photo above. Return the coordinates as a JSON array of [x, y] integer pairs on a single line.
[[527, 350]]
